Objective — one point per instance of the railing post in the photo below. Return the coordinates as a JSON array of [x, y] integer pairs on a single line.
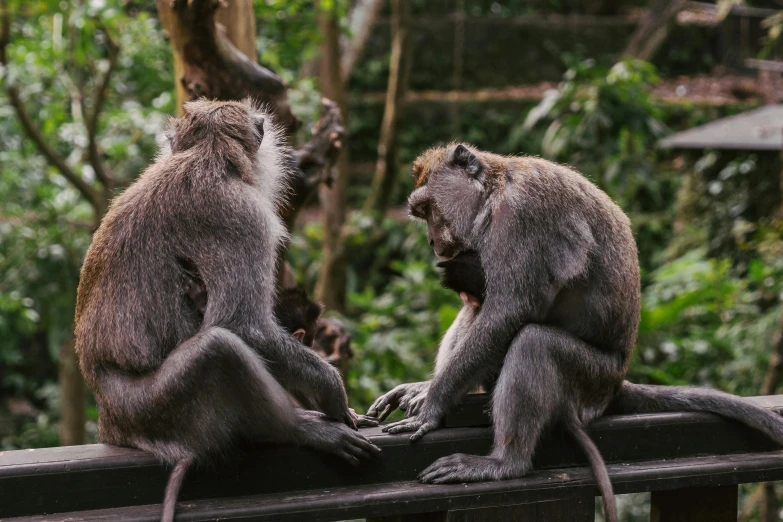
[[710, 504]]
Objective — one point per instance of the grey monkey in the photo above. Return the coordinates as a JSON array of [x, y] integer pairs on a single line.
[[186, 388], [557, 324]]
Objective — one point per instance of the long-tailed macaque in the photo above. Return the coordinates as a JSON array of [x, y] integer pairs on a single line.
[[558, 322], [166, 380]]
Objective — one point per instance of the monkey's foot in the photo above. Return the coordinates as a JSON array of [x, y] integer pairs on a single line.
[[317, 432], [466, 468]]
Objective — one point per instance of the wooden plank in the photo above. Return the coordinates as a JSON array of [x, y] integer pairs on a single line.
[[717, 504], [405, 498], [580, 509], [96, 477], [416, 517]]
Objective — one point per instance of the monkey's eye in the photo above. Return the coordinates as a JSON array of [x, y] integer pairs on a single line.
[[421, 211]]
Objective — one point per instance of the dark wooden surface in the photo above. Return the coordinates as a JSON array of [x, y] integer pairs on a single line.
[[579, 509], [645, 453], [717, 504], [407, 497]]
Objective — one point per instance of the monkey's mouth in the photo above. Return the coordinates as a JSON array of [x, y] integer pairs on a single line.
[[448, 256]]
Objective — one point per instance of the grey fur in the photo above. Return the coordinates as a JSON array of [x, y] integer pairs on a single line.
[[165, 381]]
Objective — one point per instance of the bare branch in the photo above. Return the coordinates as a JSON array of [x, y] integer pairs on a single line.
[[32, 130], [91, 120], [362, 21]]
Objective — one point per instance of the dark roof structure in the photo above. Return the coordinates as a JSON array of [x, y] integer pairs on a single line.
[[758, 129]]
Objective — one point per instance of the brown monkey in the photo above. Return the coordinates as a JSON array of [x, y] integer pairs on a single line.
[[301, 318], [333, 343], [558, 321], [166, 380]]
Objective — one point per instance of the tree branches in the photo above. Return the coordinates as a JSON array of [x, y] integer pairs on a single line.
[[210, 65], [97, 199]]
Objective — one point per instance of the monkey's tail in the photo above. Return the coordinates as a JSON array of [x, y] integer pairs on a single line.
[[172, 489], [642, 398], [577, 430]]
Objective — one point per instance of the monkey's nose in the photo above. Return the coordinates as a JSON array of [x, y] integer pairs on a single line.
[[432, 242]]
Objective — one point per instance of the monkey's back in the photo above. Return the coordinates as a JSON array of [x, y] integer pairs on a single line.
[[132, 308], [602, 304], [130, 302]]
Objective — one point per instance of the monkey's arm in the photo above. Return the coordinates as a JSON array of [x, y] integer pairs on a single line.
[[410, 396], [315, 383], [234, 251], [480, 351]]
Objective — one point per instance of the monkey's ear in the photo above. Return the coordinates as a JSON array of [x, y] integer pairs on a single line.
[[299, 334], [463, 158], [258, 123]]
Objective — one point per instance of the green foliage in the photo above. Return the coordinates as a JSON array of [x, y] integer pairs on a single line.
[[604, 122], [397, 310], [58, 52], [704, 323]]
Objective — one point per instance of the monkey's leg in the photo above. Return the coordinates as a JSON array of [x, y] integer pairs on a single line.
[[209, 392], [214, 390], [546, 372]]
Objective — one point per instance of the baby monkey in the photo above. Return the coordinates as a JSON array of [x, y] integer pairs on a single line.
[[463, 274]]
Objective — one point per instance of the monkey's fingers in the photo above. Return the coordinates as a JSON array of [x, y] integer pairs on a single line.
[[352, 460], [415, 404], [387, 400], [367, 422], [423, 430], [349, 419], [363, 443], [385, 413], [405, 425], [435, 472]]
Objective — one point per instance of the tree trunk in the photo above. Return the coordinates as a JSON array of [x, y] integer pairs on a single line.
[[239, 22], [331, 286], [388, 166], [211, 59], [653, 28], [72, 397], [215, 56]]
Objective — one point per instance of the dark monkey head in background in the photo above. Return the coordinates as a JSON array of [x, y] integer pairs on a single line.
[[558, 321], [298, 314], [190, 388]]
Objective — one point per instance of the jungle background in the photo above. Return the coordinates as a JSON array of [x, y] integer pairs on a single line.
[[85, 86]]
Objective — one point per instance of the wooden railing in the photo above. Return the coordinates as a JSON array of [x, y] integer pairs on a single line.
[[692, 463]]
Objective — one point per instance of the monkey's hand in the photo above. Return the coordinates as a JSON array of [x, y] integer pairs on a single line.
[[332, 399], [362, 421], [401, 397], [421, 424], [411, 404]]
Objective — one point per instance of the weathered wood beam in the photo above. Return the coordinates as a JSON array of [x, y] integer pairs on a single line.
[[644, 453]]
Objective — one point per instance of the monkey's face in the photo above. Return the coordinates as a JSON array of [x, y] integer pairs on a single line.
[[333, 340], [452, 191]]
